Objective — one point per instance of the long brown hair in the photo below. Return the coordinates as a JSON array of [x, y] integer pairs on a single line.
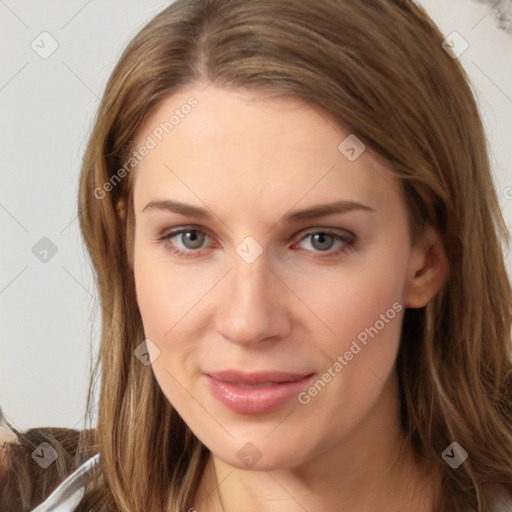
[[377, 67]]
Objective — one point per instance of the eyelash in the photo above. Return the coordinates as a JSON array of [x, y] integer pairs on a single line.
[[347, 240]]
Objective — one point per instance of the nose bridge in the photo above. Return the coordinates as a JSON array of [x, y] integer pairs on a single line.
[[250, 279], [253, 308], [250, 286]]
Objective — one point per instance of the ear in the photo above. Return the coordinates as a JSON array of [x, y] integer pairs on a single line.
[[428, 270]]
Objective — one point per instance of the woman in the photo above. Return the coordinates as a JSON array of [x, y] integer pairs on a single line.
[[296, 239]]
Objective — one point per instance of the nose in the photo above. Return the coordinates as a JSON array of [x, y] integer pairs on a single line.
[[253, 306]]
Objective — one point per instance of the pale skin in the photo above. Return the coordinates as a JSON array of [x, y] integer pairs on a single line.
[[295, 308]]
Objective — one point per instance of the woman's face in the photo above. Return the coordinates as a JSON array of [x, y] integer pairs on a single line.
[[266, 277]]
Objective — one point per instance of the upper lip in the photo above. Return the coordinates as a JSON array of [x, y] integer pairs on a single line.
[[237, 376]]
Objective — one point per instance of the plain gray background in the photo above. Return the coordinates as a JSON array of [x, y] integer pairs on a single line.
[[48, 308]]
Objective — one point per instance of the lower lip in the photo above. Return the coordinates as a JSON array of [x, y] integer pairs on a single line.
[[255, 400]]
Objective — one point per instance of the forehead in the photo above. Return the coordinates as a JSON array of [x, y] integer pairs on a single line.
[[234, 145]]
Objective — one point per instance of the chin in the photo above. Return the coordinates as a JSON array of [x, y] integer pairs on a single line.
[[257, 455]]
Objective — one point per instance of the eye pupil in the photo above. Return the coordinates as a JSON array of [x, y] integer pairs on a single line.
[[192, 239], [324, 240]]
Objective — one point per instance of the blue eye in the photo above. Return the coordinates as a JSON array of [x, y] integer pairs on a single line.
[[323, 241], [189, 242]]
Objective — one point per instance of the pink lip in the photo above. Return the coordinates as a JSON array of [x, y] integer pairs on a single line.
[[255, 393]]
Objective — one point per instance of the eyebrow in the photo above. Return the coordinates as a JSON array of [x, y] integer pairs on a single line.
[[312, 212]]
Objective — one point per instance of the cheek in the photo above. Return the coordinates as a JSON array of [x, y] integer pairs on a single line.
[[355, 296], [163, 301], [364, 302], [158, 291], [164, 291], [364, 313], [153, 299], [359, 308]]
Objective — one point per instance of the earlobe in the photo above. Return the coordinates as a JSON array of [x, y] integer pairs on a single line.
[[428, 270]]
